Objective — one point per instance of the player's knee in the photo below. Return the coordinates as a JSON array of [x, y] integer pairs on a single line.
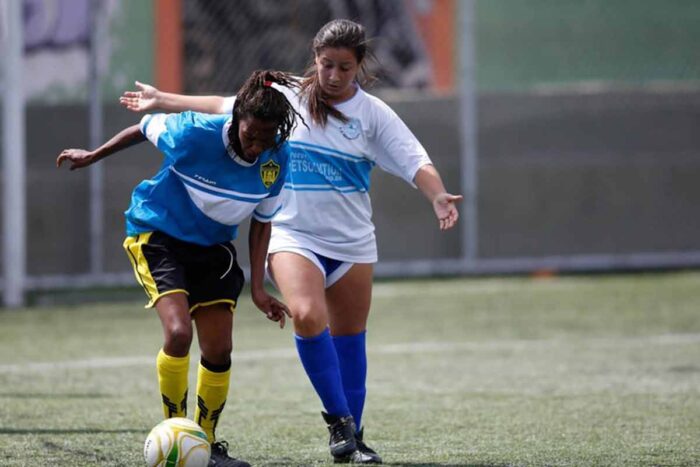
[[217, 352], [310, 318], [178, 337]]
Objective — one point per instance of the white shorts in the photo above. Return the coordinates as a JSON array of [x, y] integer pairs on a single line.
[[332, 269]]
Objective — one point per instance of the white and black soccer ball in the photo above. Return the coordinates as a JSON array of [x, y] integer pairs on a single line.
[[177, 442]]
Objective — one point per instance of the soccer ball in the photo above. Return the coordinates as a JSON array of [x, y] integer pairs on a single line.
[[177, 442]]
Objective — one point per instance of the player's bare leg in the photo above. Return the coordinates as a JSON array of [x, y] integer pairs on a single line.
[[174, 314], [303, 287], [349, 301], [173, 361]]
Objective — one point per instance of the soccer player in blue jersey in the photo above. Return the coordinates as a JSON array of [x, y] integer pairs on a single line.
[[218, 170], [323, 245]]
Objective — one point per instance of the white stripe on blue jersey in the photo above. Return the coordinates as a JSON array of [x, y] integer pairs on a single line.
[[203, 187]]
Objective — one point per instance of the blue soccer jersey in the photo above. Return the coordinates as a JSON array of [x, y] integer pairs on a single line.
[[203, 190]]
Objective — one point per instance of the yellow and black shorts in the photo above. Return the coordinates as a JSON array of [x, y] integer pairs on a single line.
[[165, 265]]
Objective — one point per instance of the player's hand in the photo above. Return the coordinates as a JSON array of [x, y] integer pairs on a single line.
[[445, 207], [273, 308], [79, 158], [145, 99]]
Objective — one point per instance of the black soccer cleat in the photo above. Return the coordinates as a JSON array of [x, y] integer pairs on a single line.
[[366, 451], [342, 436], [220, 458], [356, 457], [362, 455]]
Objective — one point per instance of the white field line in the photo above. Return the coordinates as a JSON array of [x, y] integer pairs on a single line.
[[485, 288], [387, 349]]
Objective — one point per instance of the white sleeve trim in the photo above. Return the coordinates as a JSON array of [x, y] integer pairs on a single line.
[[422, 163], [152, 126], [227, 105], [268, 208]]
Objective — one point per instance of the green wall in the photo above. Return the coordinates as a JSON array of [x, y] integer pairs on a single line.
[[132, 39], [521, 43]]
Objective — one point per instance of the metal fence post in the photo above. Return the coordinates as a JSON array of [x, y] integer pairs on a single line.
[[14, 165], [468, 125], [95, 124]]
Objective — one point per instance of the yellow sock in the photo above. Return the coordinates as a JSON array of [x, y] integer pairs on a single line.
[[172, 380], [212, 390]]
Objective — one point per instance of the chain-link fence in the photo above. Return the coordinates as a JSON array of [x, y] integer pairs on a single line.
[[224, 41]]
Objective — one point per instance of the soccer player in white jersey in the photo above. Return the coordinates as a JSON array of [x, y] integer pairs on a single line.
[[218, 170], [323, 244]]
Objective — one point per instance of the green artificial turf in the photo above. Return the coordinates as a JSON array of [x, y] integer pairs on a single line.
[[567, 371]]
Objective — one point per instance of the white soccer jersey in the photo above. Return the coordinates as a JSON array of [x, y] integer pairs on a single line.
[[326, 205]]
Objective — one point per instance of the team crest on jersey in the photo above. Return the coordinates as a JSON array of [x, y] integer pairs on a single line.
[[351, 129], [269, 171]]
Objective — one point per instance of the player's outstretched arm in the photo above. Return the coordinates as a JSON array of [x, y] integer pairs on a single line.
[[80, 158], [444, 204], [258, 241], [149, 98]]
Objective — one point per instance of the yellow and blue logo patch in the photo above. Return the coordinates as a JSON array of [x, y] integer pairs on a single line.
[[269, 171]]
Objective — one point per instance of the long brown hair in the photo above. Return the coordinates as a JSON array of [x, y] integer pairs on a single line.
[[339, 33], [257, 98]]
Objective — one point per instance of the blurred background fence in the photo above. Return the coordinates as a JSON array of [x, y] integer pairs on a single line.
[[571, 125]]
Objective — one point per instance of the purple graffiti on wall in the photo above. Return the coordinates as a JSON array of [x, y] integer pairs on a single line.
[[56, 24]]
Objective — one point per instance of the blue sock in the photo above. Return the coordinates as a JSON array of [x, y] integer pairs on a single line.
[[352, 357], [320, 361]]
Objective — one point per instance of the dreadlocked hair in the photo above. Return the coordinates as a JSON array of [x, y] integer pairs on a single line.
[[339, 33], [259, 99]]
